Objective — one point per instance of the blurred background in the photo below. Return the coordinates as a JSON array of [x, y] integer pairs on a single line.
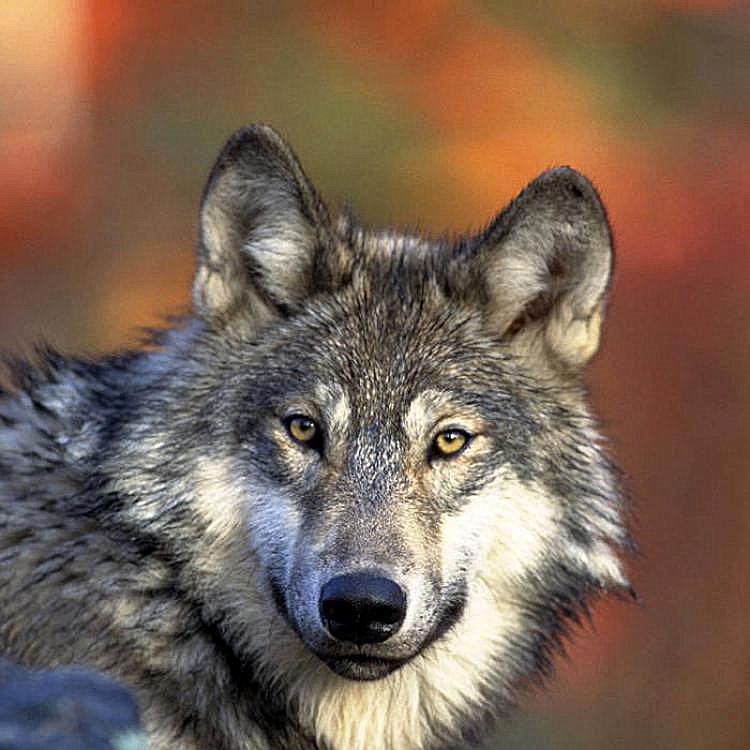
[[434, 113]]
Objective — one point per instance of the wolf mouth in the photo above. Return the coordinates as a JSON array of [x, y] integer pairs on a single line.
[[366, 667]]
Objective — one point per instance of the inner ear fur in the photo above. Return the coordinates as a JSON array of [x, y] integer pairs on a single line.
[[262, 229], [545, 264]]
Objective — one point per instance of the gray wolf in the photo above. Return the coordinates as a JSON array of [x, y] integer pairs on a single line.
[[351, 502]]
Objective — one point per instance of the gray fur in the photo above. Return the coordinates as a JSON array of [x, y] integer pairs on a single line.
[[158, 523]]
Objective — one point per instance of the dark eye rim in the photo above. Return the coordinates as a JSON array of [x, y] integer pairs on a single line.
[[437, 454], [315, 442]]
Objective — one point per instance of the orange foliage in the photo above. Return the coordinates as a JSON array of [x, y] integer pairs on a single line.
[[494, 99], [153, 290], [502, 109], [118, 32], [447, 62]]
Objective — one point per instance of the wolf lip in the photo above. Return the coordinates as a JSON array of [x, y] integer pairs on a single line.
[[360, 667]]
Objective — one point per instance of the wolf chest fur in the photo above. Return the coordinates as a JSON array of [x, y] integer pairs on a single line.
[[350, 502]]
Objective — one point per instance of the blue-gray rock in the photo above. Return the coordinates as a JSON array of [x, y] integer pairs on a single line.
[[66, 709]]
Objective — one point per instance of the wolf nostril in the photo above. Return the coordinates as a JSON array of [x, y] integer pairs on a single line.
[[362, 608]]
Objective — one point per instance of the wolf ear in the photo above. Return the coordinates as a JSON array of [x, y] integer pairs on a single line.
[[261, 230], [545, 264]]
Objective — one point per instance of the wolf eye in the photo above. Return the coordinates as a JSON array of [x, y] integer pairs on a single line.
[[303, 430], [450, 443]]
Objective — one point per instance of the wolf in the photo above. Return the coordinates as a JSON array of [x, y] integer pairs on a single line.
[[353, 501]]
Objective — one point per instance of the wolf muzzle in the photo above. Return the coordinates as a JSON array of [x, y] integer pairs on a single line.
[[362, 608]]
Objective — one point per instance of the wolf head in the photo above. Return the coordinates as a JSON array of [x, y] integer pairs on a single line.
[[399, 423]]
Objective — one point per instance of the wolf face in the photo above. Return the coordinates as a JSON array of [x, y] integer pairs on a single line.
[[356, 497], [377, 449]]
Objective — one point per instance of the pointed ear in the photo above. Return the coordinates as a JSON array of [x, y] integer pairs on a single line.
[[262, 228], [545, 264]]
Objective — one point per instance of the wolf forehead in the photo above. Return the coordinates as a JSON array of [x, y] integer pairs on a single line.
[[378, 334]]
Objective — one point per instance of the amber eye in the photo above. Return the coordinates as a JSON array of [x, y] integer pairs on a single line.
[[303, 430], [449, 443]]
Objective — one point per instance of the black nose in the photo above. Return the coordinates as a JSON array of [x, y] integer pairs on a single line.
[[362, 608]]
